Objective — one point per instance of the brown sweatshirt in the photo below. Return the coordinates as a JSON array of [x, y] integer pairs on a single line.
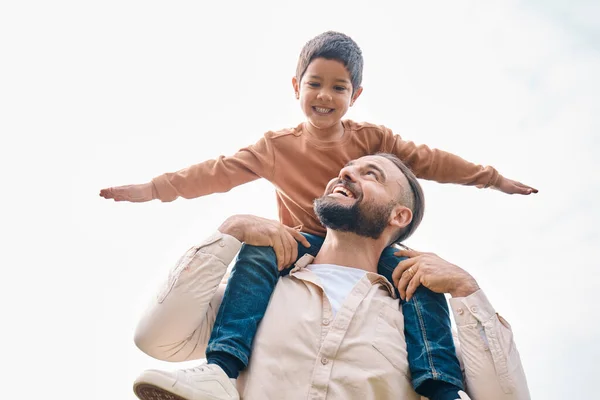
[[300, 166]]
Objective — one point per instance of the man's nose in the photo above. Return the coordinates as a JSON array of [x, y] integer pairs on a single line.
[[348, 174]]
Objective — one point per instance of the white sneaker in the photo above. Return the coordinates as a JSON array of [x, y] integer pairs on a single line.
[[204, 382], [463, 395]]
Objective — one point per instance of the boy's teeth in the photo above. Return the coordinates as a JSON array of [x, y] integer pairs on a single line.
[[323, 110]]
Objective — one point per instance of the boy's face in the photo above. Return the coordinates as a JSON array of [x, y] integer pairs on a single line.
[[325, 92]]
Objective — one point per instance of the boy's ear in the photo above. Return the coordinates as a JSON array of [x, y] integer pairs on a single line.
[[296, 85], [401, 216], [355, 95]]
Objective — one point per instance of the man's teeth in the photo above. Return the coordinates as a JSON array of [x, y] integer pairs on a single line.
[[343, 191], [323, 110]]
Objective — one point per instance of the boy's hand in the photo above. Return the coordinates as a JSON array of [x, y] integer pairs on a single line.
[[132, 193], [509, 186], [257, 231]]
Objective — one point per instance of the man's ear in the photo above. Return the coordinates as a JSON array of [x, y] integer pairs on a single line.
[[401, 217], [357, 93], [296, 85]]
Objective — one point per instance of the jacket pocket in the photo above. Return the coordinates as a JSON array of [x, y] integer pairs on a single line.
[[389, 338]]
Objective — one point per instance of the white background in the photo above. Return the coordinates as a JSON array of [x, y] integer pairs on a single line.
[[97, 94]]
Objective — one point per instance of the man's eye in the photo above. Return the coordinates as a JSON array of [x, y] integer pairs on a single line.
[[372, 173]]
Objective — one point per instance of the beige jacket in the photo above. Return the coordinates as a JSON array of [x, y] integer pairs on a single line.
[[302, 352]]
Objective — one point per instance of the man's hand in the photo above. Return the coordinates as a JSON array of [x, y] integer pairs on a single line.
[[132, 193], [257, 231], [433, 272], [509, 186]]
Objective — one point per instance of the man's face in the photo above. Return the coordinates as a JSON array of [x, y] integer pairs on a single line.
[[325, 92], [361, 199]]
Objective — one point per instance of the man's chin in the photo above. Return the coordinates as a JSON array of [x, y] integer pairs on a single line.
[[337, 201]]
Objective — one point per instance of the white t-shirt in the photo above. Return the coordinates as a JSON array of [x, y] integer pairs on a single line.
[[337, 281]]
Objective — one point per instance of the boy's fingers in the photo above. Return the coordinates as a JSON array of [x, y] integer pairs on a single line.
[[530, 189], [106, 193]]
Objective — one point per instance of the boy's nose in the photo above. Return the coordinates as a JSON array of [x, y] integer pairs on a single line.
[[324, 96]]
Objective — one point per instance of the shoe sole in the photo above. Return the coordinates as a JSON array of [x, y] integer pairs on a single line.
[[146, 391]]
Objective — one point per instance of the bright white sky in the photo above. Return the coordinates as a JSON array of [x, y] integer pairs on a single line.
[[95, 94]]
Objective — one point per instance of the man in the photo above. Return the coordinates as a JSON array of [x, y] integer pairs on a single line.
[[334, 328]]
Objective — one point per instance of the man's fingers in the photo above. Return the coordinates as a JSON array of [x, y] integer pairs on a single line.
[[402, 266], [279, 251], [405, 279], [298, 236], [413, 285], [293, 250], [402, 283], [407, 253], [291, 247]]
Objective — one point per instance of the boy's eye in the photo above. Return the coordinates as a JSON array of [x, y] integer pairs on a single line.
[[313, 84], [340, 88]]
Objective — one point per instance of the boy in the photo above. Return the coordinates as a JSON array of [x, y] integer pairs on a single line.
[[300, 162]]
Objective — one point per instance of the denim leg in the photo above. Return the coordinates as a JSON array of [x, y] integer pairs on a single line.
[[246, 298], [429, 343]]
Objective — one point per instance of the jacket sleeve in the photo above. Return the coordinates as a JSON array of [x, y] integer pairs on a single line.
[[179, 320], [489, 356], [219, 175], [438, 165]]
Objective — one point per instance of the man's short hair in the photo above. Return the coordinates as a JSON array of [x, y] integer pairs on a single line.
[[411, 197], [333, 46]]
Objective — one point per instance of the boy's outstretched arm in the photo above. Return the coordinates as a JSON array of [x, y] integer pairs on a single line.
[[443, 167], [208, 177], [133, 193]]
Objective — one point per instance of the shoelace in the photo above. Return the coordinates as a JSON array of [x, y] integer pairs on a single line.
[[194, 369]]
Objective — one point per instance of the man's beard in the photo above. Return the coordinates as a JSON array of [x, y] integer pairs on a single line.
[[363, 219]]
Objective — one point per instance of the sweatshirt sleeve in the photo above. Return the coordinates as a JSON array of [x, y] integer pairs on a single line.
[[440, 166], [179, 320], [492, 365], [218, 175]]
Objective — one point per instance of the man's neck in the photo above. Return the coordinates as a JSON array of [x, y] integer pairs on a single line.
[[350, 250]]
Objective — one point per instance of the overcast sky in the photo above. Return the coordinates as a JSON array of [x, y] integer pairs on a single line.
[[97, 94]]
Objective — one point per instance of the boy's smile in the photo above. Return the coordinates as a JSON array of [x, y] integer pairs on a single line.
[[325, 94]]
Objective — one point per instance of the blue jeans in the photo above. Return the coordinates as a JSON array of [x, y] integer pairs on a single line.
[[429, 343]]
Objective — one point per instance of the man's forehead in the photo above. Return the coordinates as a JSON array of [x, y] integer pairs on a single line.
[[391, 170], [378, 161]]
